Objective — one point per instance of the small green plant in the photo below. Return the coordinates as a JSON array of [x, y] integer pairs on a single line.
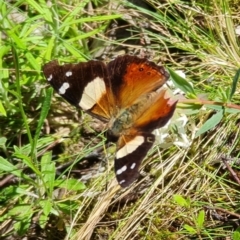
[[236, 234], [196, 219]]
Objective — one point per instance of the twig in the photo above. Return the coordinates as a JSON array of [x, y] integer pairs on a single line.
[[224, 211], [230, 170]]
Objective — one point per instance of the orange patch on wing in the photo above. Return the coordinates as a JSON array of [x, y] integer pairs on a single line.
[[140, 79], [161, 108]]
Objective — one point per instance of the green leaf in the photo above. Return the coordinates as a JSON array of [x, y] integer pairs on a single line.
[[236, 234], [90, 19], [14, 192], [223, 94], [180, 200], [44, 111], [28, 161], [43, 220], [22, 226], [70, 184], [25, 191], [41, 8], [32, 61], [190, 109], [200, 218], [50, 47], [48, 171], [210, 123], [3, 141], [17, 41], [7, 167], [46, 206], [234, 84], [68, 206], [43, 115], [181, 83], [190, 229], [21, 212], [2, 109]]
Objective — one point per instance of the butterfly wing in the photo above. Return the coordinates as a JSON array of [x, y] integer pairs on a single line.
[[157, 114], [131, 149], [84, 85], [103, 90], [133, 145], [131, 77]]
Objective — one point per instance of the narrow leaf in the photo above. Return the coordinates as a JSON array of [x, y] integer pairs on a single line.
[[43, 115], [2, 110], [190, 229], [210, 123], [48, 171], [28, 161], [90, 19], [200, 219], [181, 83], [234, 84], [70, 184], [7, 167]]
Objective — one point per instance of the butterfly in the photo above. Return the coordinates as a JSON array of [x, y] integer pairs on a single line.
[[127, 94]]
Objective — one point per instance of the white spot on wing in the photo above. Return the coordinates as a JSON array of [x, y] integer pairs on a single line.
[[130, 147], [68, 74], [63, 88], [92, 93], [133, 166], [121, 170], [50, 78], [121, 182]]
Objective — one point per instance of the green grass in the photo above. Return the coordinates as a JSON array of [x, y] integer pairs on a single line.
[[44, 142]]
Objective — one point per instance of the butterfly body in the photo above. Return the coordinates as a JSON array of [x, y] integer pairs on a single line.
[[126, 93]]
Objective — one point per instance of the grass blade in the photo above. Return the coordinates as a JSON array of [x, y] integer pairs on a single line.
[[234, 84]]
